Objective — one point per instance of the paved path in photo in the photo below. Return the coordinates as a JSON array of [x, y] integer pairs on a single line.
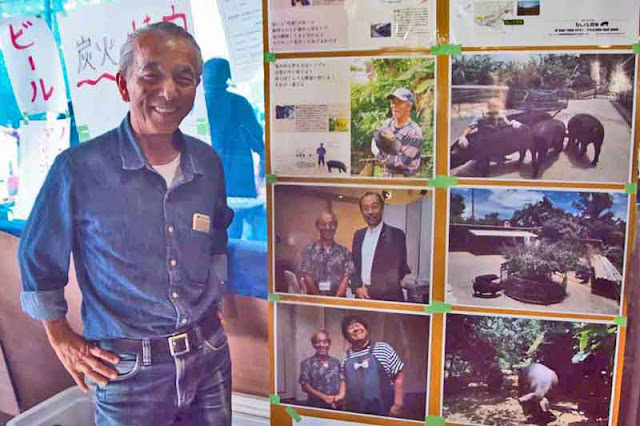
[[614, 159], [464, 266]]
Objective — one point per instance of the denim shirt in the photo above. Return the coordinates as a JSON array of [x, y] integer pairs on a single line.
[[143, 268]]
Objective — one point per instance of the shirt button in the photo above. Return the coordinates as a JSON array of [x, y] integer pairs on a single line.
[[174, 295], [183, 321], [173, 263], [170, 229]]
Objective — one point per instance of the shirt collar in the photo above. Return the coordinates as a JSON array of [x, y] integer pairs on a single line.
[[134, 159], [376, 229]]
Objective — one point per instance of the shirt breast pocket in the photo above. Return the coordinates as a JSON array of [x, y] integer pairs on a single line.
[[197, 256]]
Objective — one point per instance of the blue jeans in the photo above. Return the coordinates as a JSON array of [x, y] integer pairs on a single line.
[[192, 389]]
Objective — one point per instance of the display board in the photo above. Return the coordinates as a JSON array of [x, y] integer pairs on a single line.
[[462, 199]]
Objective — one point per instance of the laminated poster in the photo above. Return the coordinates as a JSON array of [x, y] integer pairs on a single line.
[[317, 25], [543, 22], [336, 117]]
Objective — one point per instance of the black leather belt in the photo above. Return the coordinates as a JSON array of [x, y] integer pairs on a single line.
[[180, 343]]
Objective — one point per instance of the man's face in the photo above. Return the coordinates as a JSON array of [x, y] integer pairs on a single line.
[[493, 108], [160, 83], [326, 227], [371, 210], [399, 108], [357, 333], [322, 344]]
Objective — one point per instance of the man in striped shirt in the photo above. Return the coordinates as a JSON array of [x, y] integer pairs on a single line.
[[397, 144], [372, 376]]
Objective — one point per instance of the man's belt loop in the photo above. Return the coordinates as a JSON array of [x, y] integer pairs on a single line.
[[146, 352]]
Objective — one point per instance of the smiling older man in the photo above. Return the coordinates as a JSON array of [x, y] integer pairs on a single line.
[[143, 210]]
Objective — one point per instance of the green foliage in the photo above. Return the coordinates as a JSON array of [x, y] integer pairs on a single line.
[[475, 344], [595, 221], [595, 340], [541, 71], [370, 107], [540, 261], [456, 208]]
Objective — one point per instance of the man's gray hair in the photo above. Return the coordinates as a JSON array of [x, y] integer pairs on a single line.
[[168, 29], [330, 213]]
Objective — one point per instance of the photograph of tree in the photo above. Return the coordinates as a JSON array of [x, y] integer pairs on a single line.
[[515, 371], [374, 85], [539, 250], [555, 117]]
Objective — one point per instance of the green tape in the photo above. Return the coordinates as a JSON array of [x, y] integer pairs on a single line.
[[621, 321], [294, 415], [269, 57], [636, 48], [271, 178], [273, 298], [83, 132], [202, 126], [434, 421], [631, 188], [437, 308], [274, 399], [446, 50], [443, 181]]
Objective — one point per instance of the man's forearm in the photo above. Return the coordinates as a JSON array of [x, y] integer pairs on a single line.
[[56, 329], [342, 288], [313, 391]]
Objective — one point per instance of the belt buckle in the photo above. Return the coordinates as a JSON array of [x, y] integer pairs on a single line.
[[179, 344]]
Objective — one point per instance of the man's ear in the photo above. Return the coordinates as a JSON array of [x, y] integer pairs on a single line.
[[121, 82]]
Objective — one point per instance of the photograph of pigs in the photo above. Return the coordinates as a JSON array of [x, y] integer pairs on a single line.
[[547, 116], [532, 249], [379, 367], [517, 371]]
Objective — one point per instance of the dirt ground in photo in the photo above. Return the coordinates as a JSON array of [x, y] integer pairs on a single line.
[[464, 266]]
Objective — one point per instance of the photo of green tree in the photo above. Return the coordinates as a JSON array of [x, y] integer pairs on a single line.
[[518, 248]]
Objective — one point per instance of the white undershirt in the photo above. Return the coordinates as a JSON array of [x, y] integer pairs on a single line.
[[168, 171], [369, 244]]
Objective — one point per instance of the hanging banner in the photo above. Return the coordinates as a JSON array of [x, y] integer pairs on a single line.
[[91, 38], [40, 144], [242, 23], [543, 23], [33, 64], [316, 25]]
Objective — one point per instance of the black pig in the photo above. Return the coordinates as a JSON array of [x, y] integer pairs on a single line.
[[584, 129]]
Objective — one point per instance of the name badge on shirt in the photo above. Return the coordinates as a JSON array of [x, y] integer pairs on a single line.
[[324, 285], [201, 222]]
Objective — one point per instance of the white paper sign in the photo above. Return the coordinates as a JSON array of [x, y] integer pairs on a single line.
[[33, 64], [91, 40], [325, 25], [242, 23], [543, 23], [40, 144]]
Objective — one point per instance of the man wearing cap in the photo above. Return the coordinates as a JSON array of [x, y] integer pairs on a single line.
[[143, 210], [397, 144]]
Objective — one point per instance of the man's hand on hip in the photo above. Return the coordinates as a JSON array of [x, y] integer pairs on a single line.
[[78, 356]]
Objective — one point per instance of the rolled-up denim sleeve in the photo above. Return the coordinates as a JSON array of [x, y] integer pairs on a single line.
[[46, 243]]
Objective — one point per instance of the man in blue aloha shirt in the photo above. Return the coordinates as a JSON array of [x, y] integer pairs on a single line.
[[326, 265], [320, 374]]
